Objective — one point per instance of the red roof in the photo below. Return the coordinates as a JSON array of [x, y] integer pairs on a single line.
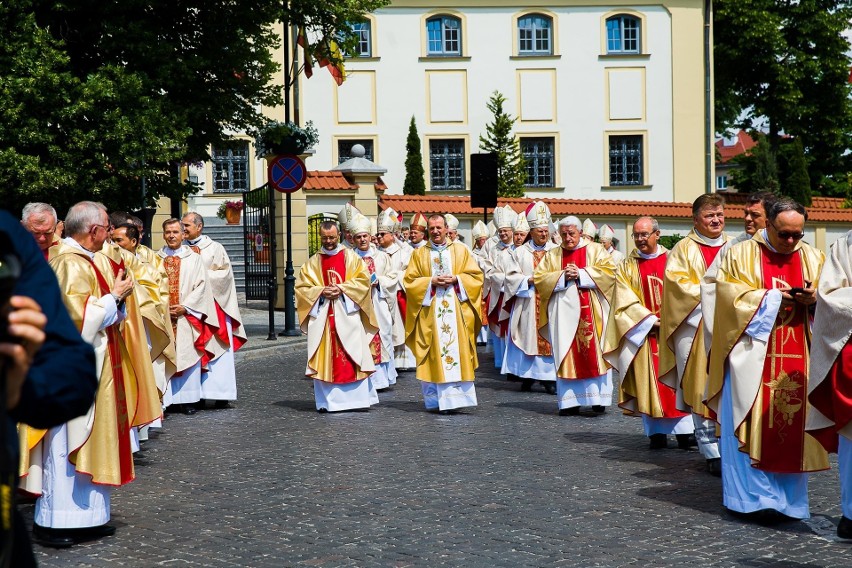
[[823, 208], [328, 180], [743, 144]]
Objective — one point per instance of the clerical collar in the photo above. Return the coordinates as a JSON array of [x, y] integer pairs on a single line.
[[654, 254], [331, 252], [74, 244], [501, 244], [765, 236], [717, 242], [195, 241], [363, 253], [536, 247], [437, 247], [170, 251], [418, 244]]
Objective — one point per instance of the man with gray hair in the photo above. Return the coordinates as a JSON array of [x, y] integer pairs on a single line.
[[40, 220], [575, 281], [73, 467], [219, 383]]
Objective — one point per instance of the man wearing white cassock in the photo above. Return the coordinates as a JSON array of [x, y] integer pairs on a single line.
[[386, 225], [575, 281], [480, 236], [830, 379], [381, 287], [336, 312], [494, 271], [219, 383], [528, 354]]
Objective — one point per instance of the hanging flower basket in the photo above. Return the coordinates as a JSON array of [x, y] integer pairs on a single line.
[[277, 138], [230, 211]]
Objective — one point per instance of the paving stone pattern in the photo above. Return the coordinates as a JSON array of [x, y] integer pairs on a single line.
[[272, 483]]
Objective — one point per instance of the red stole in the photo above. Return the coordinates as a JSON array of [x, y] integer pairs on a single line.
[[376, 342], [833, 397], [584, 349], [125, 455], [342, 365], [171, 264], [651, 274], [544, 347], [785, 379], [709, 253]]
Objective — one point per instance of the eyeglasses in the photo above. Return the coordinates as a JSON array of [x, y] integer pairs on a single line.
[[643, 235], [106, 228], [787, 235]]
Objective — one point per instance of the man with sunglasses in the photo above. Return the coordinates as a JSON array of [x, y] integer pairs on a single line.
[[758, 380]]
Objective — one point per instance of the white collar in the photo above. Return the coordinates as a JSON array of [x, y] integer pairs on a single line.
[[74, 244], [654, 254]]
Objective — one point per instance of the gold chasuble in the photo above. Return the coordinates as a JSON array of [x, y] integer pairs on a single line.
[[99, 442], [681, 326], [769, 380], [445, 351], [638, 294], [338, 341], [573, 319]]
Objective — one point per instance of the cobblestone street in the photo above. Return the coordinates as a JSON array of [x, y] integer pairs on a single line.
[[272, 483]]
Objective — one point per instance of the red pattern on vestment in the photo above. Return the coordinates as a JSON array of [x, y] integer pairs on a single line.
[[584, 348], [342, 365]]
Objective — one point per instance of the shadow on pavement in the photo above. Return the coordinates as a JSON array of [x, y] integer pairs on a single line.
[[299, 405]]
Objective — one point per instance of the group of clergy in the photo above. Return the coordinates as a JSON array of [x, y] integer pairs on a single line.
[[164, 325], [761, 386]]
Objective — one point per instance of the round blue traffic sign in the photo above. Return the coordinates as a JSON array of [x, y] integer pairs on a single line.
[[287, 173]]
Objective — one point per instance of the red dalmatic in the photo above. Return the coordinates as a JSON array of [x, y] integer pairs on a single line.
[[833, 398], [584, 350], [342, 365], [709, 253], [651, 273], [785, 372]]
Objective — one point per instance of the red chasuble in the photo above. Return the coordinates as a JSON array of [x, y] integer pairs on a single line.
[[709, 253], [376, 342], [544, 347], [125, 454], [343, 367], [651, 273], [833, 397], [584, 351], [785, 383]]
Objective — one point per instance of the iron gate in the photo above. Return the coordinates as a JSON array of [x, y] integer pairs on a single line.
[[259, 243]]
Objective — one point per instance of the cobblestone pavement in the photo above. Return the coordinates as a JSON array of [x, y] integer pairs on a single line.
[[272, 483]]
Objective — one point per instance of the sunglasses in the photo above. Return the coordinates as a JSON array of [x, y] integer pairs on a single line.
[[787, 235]]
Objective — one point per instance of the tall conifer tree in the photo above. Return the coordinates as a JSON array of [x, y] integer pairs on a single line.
[[499, 140], [415, 182]]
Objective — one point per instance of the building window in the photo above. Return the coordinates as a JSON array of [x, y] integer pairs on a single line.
[[344, 149], [534, 33], [622, 34], [446, 164], [626, 160], [364, 47], [722, 183], [444, 35], [538, 161], [230, 168]]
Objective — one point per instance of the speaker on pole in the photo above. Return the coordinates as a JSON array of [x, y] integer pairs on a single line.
[[483, 180]]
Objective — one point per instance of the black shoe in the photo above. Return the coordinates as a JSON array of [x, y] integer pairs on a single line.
[[714, 466], [513, 378], [573, 411], [599, 409], [549, 387], [322, 410], [526, 385], [92, 533], [53, 538], [686, 441], [844, 528], [445, 412], [658, 441], [221, 404], [188, 409]]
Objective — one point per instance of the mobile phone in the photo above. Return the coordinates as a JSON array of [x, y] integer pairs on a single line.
[[794, 291]]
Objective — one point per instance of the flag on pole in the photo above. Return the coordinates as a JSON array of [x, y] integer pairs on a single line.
[[303, 43]]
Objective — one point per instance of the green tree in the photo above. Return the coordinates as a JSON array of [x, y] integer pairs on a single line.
[[415, 177], [794, 172], [787, 63], [759, 168], [94, 95], [499, 140]]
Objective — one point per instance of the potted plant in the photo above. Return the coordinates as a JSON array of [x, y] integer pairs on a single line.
[[276, 138], [230, 211]]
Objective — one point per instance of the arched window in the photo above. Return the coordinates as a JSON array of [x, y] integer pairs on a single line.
[[364, 48], [443, 35], [535, 35], [623, 34]]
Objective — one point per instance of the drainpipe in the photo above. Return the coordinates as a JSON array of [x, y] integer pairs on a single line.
[[709, 154]]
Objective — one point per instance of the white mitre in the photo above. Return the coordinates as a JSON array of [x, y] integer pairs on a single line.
[[538, 215]]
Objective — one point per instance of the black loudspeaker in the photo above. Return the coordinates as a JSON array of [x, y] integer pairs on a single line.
[[483, 180]]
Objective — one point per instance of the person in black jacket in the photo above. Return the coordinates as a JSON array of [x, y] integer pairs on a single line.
[[50, 374]]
